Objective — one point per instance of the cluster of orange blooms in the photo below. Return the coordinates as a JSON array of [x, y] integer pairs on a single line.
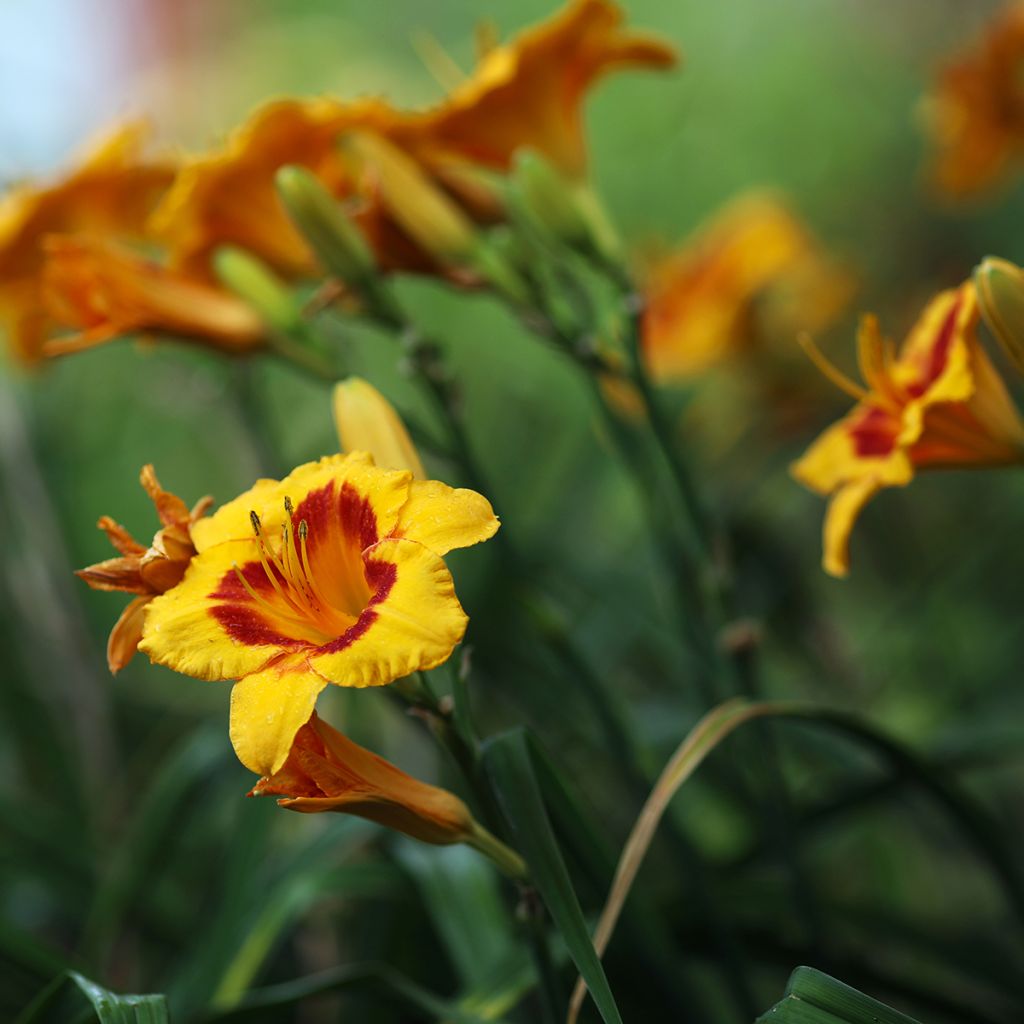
[[335, 575]]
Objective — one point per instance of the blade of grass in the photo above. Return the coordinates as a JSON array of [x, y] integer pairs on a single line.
[[510, 766], [816, 998], [76, 998]]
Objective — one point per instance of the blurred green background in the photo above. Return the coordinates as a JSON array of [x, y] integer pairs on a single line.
[[127, 848]]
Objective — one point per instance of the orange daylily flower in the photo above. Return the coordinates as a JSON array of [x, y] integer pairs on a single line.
[[975, 114], [106, 291], [109, 194], [529, 92], [144, 571], [228, 197], [752, 271], [326, 771], [938, 403], [332, 575]]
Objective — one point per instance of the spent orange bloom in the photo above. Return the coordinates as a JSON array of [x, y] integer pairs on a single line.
[[750, 272], [104, 291], [110, 193], [228, 196], [939, 402], [332, 575], [144, 571], [975, 114], [326, 771], [529, 92]]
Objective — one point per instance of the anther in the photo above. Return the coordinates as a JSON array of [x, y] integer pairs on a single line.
[[255, 520], [288, 506], [303, 530]]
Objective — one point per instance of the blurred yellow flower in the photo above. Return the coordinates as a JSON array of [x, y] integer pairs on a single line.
[[367, 422], [975, 113], [939, 403], [333, 575], [110, 193], [326, 771], [529, 92], [105, 291], [752, 271], [141, 570]]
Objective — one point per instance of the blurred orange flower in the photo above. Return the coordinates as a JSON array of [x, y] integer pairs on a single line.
[[227, 197], [939, 403], [752, 271], [975, 114], [529, 92], [345, 584], [141, 570], [106, 291], [326, 771], [110, 193]]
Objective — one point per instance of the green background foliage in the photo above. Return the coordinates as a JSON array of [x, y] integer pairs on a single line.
[[128, 850]]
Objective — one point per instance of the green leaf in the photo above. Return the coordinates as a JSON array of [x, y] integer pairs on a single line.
[[814, 998], [261, 1004], [509, 763], [460, 890], [71, 998]]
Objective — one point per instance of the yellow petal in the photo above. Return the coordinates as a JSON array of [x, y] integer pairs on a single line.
[[268, 708], [843, 510], [414, 625], [183, 630], [367, 422], [443, 518], [385, 490]]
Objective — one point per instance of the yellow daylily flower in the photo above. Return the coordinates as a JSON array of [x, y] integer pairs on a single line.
[[144, 571], [366, 421], [109, 193], [105, 291], [752, 271], [228, 196], [975, 113], [529, 92], [332, 575], [939, 402]]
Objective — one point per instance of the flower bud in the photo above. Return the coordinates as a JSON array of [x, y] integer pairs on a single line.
[[336, 241], [367, 422], [1000, 287], [427, 214], [567, 209], [252, 280], [326, 771]]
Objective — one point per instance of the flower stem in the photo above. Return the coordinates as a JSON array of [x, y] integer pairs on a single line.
[[506, 859]]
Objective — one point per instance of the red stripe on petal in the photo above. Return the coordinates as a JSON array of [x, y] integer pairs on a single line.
[[245, 625], [875, 434], [381, 577], [938, 355]]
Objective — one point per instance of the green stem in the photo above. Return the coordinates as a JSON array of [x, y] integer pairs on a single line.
[[507, 860]]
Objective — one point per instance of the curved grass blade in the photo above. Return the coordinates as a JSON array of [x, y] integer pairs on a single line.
[[263, 1004], [71, 998], [717, 724], [702, 739], [510, 766]]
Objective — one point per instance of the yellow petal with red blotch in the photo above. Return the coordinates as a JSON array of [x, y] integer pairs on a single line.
[[413, 622], [124, 638], [268, 708], [385, 490], [443, 518], [843, 510], [933, 363], [191, 632]]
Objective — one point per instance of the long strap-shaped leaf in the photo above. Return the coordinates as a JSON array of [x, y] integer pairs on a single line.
[[813, 997], [705, 736], [714, 727], [108, 1007], [509, 763]]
